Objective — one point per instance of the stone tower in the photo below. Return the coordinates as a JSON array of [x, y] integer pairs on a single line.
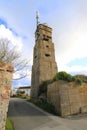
[[44, 65]]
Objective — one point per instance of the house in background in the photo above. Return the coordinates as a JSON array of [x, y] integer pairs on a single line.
[[14, 92], [25, 90]]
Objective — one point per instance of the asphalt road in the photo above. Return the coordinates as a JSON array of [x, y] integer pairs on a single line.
[[26, 116]]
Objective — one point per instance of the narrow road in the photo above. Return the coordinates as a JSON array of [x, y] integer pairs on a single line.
[[26, 116]]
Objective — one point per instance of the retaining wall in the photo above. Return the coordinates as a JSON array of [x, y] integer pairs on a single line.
[[68, 98]]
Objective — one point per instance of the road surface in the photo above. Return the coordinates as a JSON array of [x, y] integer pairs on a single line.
[[26, 116]]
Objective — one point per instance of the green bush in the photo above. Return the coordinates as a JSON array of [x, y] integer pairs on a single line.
[[78, 81], [64, 76], [82, 78], [67, 77], [43, 87]]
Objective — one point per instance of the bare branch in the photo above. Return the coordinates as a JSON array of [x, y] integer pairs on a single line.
[[8, 53]]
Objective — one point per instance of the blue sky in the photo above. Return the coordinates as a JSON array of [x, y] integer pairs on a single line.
[[68, 19]]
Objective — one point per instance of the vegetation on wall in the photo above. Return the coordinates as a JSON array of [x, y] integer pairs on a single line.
[[63, 76], [43, 87], [83, 78], [68, 77]]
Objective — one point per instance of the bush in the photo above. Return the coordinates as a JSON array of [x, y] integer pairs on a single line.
[[82, 78], [67, 77], [78, 81], [43, 87], [64, 76]]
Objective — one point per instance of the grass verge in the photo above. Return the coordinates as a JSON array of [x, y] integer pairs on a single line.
[[9, 125]]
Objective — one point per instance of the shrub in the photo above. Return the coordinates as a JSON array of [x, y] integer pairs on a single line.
[[63, 76], [43, 87], [78, 81], [83, 78]]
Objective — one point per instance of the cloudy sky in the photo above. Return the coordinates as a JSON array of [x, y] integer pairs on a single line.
[[68, 19]]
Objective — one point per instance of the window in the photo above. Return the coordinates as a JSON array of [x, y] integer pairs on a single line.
[[35, 57], [47, 55], [49, 37], [47, 46], [45, 38]]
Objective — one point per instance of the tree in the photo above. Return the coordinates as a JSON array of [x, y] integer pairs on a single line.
[[9, 53]]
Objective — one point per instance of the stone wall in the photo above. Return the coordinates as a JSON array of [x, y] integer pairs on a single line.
[[68, 97], [6, 71]]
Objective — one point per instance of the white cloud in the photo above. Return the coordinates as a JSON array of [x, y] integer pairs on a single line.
[[27, 73], [22, 73], [78, 69], [15, 40], [16, 75], [71, 44]]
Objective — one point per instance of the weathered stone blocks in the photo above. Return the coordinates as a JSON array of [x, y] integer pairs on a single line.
[[68, 98], [44, 65], [6, 71]]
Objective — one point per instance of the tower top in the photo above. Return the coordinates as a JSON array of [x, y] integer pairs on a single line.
[[44, 27]]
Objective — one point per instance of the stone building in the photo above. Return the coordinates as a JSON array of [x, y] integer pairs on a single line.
[[44, 64]]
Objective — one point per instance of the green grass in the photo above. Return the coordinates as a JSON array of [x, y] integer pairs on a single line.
[[9, 125]]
